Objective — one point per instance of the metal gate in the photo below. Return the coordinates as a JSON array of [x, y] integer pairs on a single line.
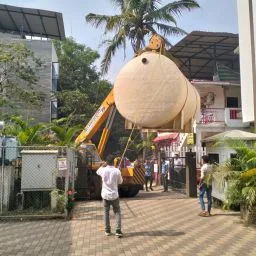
[[182, 173]]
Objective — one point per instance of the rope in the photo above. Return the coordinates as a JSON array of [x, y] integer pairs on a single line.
[[126, 147]]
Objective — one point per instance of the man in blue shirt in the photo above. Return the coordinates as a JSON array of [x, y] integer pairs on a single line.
[[148, 175], [164, 174]]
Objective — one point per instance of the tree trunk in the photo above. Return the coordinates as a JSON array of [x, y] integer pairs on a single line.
[[248, 215]]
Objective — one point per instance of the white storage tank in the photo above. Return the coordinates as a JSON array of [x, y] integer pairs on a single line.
[[151, 91]]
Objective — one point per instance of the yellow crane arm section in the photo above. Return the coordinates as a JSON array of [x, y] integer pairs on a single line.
[[97, 120]]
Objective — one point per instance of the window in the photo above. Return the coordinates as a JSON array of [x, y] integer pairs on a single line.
[[213, 158], [232, 102], [55, 85], [55, 76], [54, 109], [55, 70]]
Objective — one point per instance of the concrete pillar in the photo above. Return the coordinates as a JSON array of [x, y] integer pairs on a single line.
[[191, 184]]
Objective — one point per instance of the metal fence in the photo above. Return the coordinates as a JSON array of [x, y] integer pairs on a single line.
[[35, 180], [177, 173]]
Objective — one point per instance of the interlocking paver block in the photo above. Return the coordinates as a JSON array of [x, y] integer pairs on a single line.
[[154, 223]]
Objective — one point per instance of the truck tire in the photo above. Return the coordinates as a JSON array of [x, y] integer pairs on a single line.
[[128, 191]]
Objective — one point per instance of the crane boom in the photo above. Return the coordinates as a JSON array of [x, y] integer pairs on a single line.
[[96, 121]]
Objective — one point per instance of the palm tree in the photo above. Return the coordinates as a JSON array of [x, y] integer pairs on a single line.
[[138, 19]]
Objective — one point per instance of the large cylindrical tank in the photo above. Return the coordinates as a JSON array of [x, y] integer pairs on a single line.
[[151, 91]]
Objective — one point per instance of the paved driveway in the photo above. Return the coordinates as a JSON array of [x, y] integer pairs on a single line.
[[154, 223]]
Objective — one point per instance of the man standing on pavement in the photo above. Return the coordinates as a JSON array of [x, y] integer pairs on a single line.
[[205, 187], [164, 174], [177, 164], [111, 178], [148, 175]]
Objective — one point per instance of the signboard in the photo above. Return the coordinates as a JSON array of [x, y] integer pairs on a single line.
[[190, 139], [62, 164]]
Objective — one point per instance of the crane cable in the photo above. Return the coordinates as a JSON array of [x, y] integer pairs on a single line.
[[129, 139], [126, 147]]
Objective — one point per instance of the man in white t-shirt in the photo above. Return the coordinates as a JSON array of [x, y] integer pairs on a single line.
[[111, 178], [205, 187], [177, 163]]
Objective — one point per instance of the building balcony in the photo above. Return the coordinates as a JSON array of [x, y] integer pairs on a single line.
[[231, 117]]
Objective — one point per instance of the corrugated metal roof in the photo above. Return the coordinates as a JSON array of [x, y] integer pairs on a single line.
[[199, 51], [34, 22], [227, 74]]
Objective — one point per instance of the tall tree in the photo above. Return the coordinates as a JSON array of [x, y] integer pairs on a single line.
[[18, 74], [137, 19], [81, 89]]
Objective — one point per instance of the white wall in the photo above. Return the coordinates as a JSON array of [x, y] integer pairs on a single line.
[[223, 152], [247, 35], [219, 101]]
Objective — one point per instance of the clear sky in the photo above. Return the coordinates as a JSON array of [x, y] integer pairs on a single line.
[[213, 16]]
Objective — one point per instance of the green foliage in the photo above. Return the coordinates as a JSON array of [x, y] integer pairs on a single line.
[[240, 173], [27, 132], [81, 89], [71, 200], [76, 65], [136, 20], [60, 200], [64, 135], [18, 67]]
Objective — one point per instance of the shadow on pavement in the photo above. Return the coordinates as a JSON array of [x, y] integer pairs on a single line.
[[226, 214], [158, 195], [155, 233]]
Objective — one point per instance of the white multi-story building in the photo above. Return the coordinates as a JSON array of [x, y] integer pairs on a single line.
[[36, 29]]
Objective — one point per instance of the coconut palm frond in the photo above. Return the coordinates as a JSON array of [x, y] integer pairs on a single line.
[[111, 23], [120, 3], [114, 44], [177, 7], [160, 15], [136, 21], [167, 30]]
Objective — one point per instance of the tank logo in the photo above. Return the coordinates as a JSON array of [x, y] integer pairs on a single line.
[[94, 119]]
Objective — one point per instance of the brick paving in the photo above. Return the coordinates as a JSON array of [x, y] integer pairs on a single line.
[[154, 223]]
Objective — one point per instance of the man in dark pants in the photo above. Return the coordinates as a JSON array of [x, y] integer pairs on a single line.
[[205, 187], [111, 178], [148, 175], [164, 174]]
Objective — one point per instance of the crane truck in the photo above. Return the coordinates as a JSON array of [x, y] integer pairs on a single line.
[[88, 183]]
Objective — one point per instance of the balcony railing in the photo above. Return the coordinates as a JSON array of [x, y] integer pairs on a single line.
[[212, 115], [232, 117]]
